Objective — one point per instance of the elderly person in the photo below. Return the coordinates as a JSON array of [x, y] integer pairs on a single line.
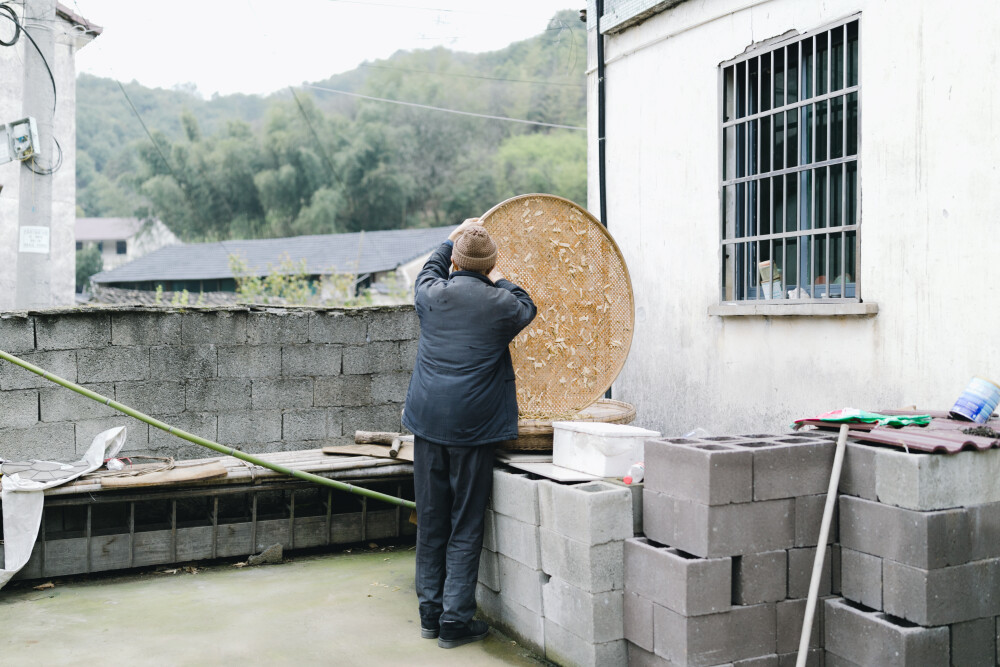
[[460, 403]]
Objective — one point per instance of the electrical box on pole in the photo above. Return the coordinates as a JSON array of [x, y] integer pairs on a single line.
[[19, 140]]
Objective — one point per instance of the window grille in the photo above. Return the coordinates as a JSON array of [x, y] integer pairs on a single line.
[[789, 199]]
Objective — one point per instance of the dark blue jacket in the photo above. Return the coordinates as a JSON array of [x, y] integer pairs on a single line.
[[462, 389]]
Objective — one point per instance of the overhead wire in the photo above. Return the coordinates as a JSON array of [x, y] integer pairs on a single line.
[[454, 111]]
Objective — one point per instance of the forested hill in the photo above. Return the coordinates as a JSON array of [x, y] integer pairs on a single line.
[[307, 160]]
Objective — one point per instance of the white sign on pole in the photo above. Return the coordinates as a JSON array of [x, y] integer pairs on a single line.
[[34, 239]]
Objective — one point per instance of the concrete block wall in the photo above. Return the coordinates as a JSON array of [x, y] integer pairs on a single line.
[[552, 567], [256, 379]]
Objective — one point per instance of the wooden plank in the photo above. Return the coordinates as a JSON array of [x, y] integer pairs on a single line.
[[194, 543], [345, 528], [176, 475], [270, 532], [109, 552], [67, 556], [233, 539], [381, 524], [310, 531], [152, 547], [377, 451]]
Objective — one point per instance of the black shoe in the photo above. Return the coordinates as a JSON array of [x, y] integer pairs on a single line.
[[429, 633], [456, 634]]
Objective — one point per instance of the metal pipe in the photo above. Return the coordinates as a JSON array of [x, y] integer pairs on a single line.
[[190, 437]]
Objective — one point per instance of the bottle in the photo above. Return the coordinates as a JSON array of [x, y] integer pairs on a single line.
[[635, 473]]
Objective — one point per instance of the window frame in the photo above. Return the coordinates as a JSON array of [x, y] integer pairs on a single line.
[[743, 121]]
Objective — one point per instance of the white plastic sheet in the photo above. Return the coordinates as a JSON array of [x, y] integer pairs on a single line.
[[23, 498]]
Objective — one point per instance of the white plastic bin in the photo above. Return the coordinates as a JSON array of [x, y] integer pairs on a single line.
[[605, 450]]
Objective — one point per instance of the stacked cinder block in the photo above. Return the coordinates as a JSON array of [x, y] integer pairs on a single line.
[[920, 545], [731, 528], [552, 570], [257, 379]]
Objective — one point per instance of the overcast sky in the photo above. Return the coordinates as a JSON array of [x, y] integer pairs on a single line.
[[251, 46]]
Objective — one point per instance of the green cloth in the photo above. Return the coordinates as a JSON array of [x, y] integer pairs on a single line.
[[853, 415]]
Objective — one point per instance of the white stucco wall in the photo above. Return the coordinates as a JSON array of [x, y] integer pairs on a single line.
[[929, 175]]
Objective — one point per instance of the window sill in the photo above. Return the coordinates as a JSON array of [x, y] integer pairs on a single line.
[[848, 309]]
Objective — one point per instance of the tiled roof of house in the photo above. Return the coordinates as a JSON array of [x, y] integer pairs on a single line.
[[360, 252]]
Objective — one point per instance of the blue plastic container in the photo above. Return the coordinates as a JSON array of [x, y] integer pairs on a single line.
[[978, 401]]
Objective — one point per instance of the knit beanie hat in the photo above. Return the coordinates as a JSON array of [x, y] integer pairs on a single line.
[[475, 250]]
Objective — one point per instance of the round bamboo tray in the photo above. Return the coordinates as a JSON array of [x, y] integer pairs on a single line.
[[536, 434], [575, 273]]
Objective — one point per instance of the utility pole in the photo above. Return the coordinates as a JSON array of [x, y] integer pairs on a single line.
[[34, 252]]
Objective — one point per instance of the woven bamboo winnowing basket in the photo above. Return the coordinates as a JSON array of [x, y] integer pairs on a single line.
[[574, 349]]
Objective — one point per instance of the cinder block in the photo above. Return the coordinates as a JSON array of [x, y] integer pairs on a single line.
[[942, 596], [343, 391], [381, 357], [113, 363], [370, 418], [703, 472], [62, 405], [927, 540], [336, 326], [835, 570], [809, 519], [389, 387], [489, 570], [872, 638], [518, 540], [489, 532], [789, 615], [281, 393], [72, 332], [800, 567], [228, 395], [17, 334], [304, 424], [222, 327], [146, 328], [183, 361], [857, 476], [814, 658], [54, 442], [641, 657], [136, 434], [861, 578], [524, 625], [722, 530], [762, 661], [925, 482], [310, 360], [760, 577], [790, 467], [834, 660], [249, 426], [335, 424], [594, 617], [61, 363], [408, 353], [198, 423], [244, 361], [638, 620], [20, 409], [390, 324], [636, 491], [688, 585], [521, 584], [984, 529], [564, 647], [157, 397], [515, 495], [594, 513], [973, 643], [593, 568], [277, 326], [699, 641]]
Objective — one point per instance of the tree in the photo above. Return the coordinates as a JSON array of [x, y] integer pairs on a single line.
[[88, 263]]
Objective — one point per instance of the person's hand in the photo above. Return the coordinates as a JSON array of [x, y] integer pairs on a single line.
[[495, 273], [462, 227]]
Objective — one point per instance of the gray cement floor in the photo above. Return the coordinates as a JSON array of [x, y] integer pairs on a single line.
[[354, 608]]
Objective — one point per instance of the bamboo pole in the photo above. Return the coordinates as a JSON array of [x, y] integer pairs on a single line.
[[190, 437]]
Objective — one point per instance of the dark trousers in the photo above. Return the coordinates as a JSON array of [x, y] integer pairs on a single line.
[[451, 486]]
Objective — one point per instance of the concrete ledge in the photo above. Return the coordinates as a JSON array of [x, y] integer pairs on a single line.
[[845, 309]]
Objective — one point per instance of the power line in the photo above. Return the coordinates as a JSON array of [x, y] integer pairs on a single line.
[[163, 157], [472, 76], [455, 111], [319, 144]]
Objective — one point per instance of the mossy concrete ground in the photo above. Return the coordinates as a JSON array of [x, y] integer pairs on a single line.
[[356, 608]]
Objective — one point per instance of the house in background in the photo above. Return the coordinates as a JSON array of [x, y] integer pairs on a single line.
[[385, 262], [120, 240], [805, 194], [37, 208]]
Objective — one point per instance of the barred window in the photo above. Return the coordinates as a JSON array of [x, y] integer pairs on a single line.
[[789, 182]]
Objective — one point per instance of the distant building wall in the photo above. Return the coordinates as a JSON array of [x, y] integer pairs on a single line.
[[258, 380]]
